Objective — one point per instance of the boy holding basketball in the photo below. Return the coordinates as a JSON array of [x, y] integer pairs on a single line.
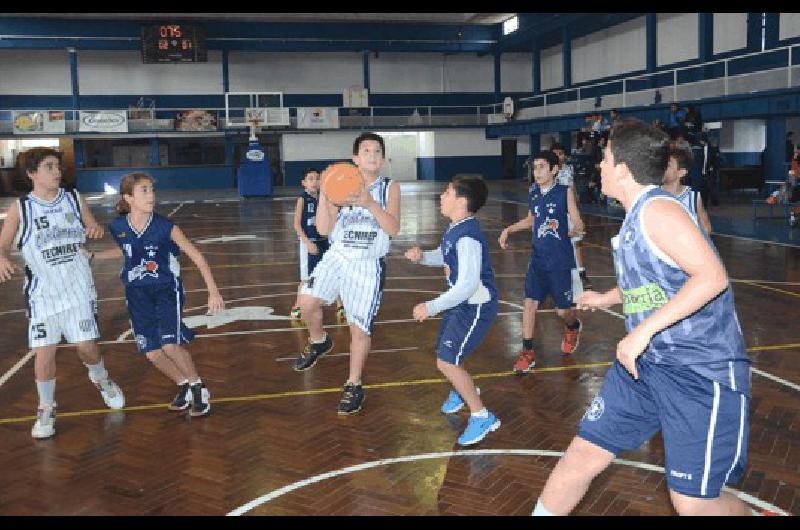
[[553, 211], [470, 304], [354, 268]]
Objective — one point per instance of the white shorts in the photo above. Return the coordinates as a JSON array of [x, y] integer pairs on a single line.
[[303, 255], [358, 282], [77, 324]]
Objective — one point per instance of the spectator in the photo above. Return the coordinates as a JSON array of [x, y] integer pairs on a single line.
[[615, 117], [693, 124], [677, 119], [789, 145]]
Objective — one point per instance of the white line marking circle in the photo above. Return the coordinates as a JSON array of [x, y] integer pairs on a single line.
[[474, 452]]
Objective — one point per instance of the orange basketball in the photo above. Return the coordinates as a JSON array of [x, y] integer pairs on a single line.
[[341, 180]]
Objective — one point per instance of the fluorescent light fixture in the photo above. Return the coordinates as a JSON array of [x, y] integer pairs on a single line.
[[511, 25]]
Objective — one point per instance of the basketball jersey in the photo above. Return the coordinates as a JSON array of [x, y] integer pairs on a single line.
[[357, 234], [710, 341], [688, 200], [308, 221], [469, 227], [49, 238], [552, 249], [566, 175], [151, 256]]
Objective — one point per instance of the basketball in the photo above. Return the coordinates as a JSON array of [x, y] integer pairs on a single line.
[[341, 180]]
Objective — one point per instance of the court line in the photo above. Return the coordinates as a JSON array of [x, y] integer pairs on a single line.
[[768, 288], [170, 214], [347, 353], [297, 393], [746, 497]]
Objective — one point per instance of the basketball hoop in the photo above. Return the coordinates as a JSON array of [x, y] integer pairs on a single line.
[[255, 118]]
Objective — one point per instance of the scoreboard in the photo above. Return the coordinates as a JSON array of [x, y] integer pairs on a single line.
[[174, 43]]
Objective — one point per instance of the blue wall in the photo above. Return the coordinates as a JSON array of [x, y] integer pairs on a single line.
[[186, 177]]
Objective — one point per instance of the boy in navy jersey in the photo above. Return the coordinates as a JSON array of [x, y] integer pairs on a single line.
[[312, 245], [150, 245], [682, 368], [470, 302], [552, 210]]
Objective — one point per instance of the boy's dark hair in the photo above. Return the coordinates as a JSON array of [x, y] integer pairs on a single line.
[[28, 161], [308, 170], [549, 156], [557, 146], [369, 136], [641, 147], [682, 153], [473, 189]]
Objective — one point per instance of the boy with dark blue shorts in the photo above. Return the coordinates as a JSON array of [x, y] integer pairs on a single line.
[[470, 302], [682, 368], [552, 211]]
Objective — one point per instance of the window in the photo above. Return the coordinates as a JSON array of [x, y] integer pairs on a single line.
[[511, 25]]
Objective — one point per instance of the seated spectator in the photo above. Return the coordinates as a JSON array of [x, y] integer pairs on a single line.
[[677, 119]]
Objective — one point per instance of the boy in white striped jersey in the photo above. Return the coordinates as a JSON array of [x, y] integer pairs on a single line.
[[49, 226], [680, 161], [354, 268]]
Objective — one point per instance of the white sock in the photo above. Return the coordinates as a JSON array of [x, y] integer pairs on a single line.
[[483, 413], [581, 269], [199, 381], [541, 511], [323, 339], [183, 382], [47, 391], [97, 372]]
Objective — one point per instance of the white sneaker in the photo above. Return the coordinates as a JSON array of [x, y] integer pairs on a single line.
[[111, 393], [45, 425]]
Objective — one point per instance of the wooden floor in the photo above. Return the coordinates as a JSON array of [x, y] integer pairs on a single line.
[[274, 443]]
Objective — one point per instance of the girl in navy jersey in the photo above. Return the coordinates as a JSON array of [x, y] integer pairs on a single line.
[[150, 245]]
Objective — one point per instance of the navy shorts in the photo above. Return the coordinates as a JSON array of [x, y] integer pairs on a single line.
[[463, 329], [557, 283], [155, 313], [704, 424]]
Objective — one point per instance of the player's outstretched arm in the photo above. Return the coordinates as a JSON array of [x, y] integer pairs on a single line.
[[215, 301], [522, 224], [10, 226], [93, 229], [574, 214]]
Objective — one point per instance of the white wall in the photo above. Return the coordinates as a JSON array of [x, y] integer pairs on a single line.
[[789, 25], [730, 31], [295, 73], [552, 67], [615, 50], [398, 73], [35, 72], [516, 72], [743, 136], [328, 146], [465, 142], [106, 72], [676, 37]]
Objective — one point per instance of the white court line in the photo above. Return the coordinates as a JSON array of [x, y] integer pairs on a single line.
[[472, 452], [14, 369], [347, 353], [170, 214]]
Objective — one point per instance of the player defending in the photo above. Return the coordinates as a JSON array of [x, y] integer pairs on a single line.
[[682, 368], [470, 302], [150, 245], [552, 256], [354, 266], [48, 226]]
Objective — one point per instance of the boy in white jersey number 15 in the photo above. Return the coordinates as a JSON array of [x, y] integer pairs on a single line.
[[49, 226], [353, 268]]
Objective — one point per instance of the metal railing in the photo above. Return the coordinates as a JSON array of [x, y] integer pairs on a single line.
[[634, 90]]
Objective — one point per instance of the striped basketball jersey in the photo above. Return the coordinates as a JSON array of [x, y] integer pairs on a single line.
[[151, 256], [308, 220], [357, 234], [552, 249], [469, 227], [49, 237], [710, 341], [688, 198]]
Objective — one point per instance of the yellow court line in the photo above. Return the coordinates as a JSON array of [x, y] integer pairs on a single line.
[[769, 288], [300, 393], [775, 347]]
